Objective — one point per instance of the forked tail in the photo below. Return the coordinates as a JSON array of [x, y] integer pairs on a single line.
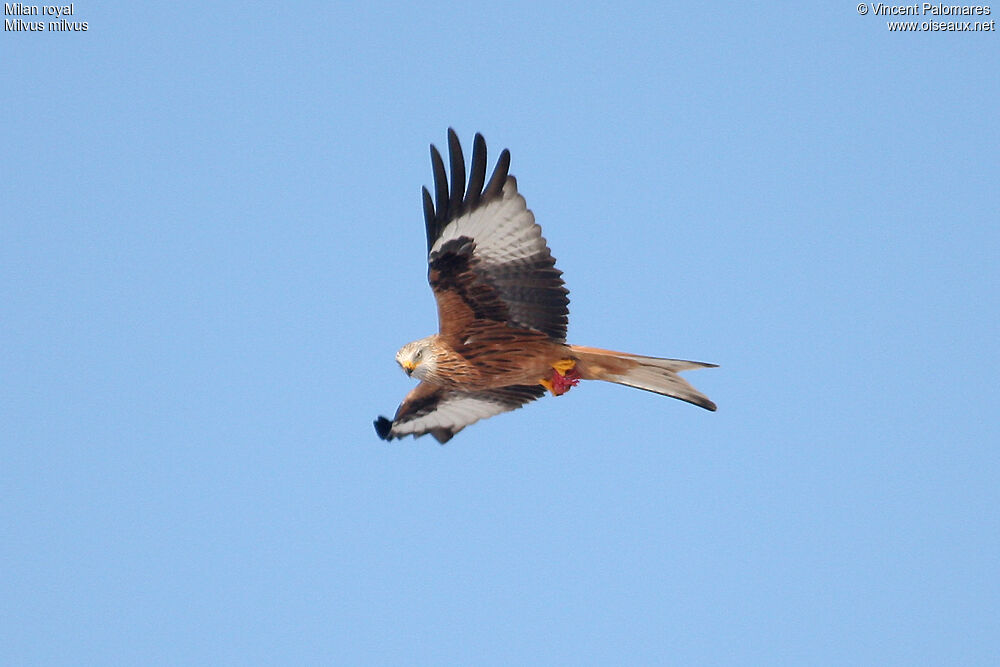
[[649, 373]]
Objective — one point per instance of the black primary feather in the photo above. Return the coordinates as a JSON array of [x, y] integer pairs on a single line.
[[451, 201], [382, 427]]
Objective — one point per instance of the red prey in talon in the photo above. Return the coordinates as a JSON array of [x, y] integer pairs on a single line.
[[562, 383], [564, 377]]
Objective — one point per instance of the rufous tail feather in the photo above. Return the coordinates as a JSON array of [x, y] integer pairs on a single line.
[[648, 373]]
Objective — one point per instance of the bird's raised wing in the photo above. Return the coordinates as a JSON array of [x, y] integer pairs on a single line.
[[444, 412], [487, 257]]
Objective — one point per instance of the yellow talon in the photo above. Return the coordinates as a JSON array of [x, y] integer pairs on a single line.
[[564, 366], [547, 385]]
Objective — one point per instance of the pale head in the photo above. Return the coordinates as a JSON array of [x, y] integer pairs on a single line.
[[417, 358]]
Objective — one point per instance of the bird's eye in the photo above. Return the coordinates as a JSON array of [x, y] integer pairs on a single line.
[[420, 354]]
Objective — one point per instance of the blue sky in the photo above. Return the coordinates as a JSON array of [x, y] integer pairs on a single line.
[[212, 247]]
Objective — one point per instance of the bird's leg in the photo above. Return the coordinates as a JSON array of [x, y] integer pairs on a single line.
[[563, 366], [564, 376]]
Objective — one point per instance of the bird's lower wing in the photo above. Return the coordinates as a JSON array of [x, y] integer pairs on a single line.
[[444, 412]]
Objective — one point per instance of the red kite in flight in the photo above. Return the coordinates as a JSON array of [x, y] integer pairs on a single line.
[[502, 312]]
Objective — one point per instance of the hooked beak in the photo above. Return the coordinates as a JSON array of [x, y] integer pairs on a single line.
[[408, 366]]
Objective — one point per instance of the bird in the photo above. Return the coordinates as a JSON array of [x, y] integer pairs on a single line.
[[503, 310]]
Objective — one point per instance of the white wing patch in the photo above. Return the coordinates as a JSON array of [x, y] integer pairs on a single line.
[[454, 411], [504, 229]]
